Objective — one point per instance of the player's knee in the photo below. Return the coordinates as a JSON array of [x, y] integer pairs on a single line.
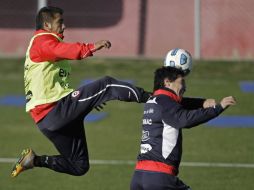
[[108, 79], [81, 168]]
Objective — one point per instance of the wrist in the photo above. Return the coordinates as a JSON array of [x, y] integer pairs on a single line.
[[92, 47], [218, 108]]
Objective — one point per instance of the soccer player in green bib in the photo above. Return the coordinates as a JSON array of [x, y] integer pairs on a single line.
[[57, 109]]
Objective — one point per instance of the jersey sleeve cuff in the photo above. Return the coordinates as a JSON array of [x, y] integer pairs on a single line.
[[92, 47], [218, 108]]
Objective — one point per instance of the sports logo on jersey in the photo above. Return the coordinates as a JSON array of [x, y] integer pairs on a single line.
[[75, 94], [152, 101], [145, 135], [147, 121], [144, 148], [149, 111], [29, 95]]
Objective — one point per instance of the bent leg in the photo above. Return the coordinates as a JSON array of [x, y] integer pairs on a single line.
[[70, 141]]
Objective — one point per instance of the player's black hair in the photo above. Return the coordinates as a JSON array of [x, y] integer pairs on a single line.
[[162, 73], [46, 14]]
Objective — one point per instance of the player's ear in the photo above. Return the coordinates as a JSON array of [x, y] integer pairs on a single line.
[[167, 83], [47, 26]]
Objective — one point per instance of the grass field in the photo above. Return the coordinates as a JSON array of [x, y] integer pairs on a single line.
[[117, 136]]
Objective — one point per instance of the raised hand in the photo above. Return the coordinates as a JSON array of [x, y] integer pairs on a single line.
[[102, 44], [227, 101]]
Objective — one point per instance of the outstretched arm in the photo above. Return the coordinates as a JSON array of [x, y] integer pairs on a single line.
[[177, 116], [49, 48], [195, 103]]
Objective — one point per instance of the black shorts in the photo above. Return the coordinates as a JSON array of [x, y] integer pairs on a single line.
[[146, 180], [64, 125]]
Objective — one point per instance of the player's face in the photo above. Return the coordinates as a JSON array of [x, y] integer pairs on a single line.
[[57, 24]]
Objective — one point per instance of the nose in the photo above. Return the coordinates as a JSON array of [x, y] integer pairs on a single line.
[[63, 27]]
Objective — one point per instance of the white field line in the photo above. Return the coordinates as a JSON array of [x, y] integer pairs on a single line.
[[131, 162]]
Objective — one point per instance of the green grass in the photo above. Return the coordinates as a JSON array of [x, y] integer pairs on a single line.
[[117, 137]]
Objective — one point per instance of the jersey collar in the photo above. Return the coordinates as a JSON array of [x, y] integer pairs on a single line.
[[45, 31], [168, 93]]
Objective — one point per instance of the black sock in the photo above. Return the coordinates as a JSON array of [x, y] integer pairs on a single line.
[[41, 161]]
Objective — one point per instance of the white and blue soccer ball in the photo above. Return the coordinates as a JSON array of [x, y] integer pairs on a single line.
[[180, 59]]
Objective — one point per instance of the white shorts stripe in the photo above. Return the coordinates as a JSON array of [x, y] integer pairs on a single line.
[[110, 85]]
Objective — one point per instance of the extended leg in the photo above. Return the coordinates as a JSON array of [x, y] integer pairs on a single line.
[[80, 103]]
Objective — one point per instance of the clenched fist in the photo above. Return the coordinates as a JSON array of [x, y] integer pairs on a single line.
[[227, 101], [102, 44]]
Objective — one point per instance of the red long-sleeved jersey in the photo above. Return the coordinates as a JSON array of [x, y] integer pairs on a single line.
[[49, 48]]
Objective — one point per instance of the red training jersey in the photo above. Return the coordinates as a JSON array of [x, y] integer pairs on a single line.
[[49, 48]]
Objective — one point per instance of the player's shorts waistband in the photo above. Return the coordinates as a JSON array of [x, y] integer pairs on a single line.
[[149, 165]]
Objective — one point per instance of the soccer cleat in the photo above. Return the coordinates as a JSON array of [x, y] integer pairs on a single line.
[[25, 162]]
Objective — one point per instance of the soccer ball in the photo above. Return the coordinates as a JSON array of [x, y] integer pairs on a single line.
[[180, 59]]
